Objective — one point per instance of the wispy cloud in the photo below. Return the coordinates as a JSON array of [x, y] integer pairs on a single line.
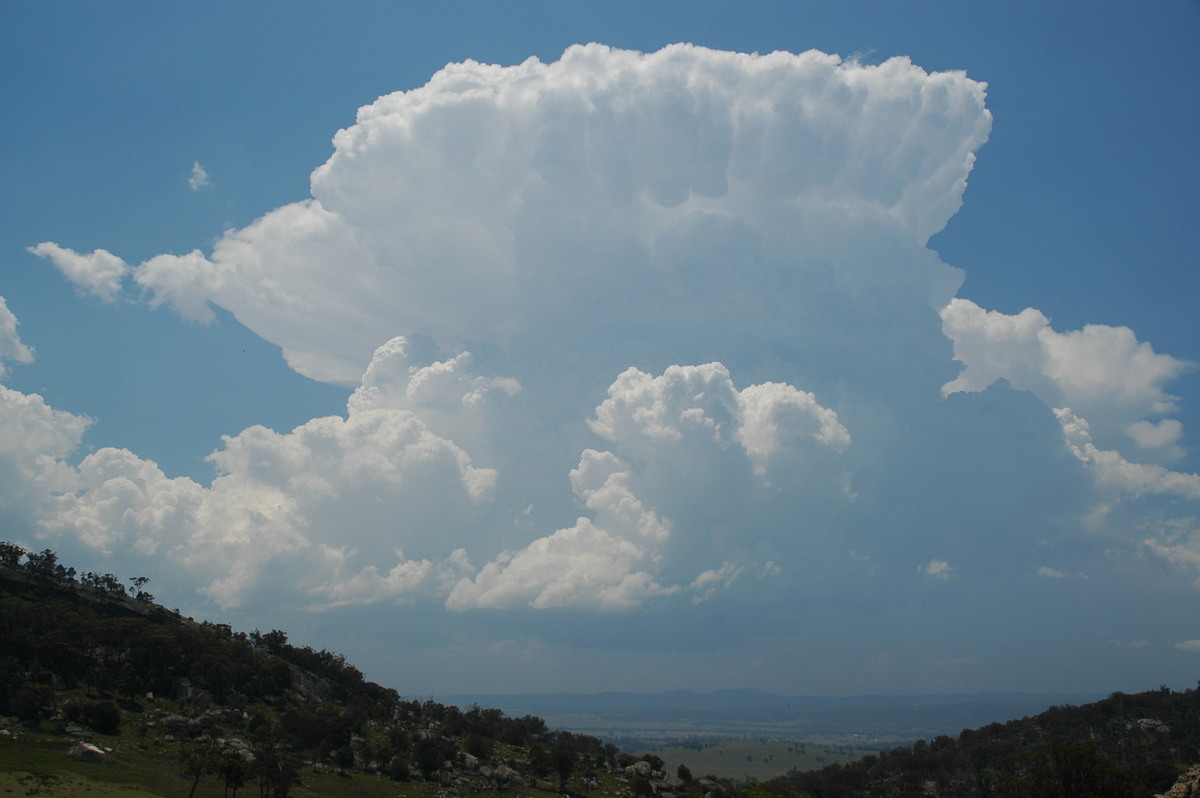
[[938, 569], [199, 178]]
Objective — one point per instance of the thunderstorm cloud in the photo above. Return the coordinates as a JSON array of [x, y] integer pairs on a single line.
[[630, 331]]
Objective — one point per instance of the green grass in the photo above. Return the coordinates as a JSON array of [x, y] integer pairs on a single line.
[[35, 763], [756, 759]]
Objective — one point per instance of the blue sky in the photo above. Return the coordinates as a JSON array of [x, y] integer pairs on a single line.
[[618, 371]]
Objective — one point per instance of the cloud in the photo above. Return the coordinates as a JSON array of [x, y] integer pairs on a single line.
[[1114, 471], [11, 347], [1188, 645], [1104, 372], [495, 202], [35, 439], [199, 178], [99, 273], [1176, 542], [698, 406], [279, 501], [627, 334], [938, 569], [689, 418], [1047, 572]]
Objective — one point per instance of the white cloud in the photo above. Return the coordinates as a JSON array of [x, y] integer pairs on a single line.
[[34, 441], [583, 566], [495, 202], [377, 481], [11, 347], [1047, 572], [367, 586], [1188, 645], [938, 569], [689, 414], [1162, 436], [1177, 542], [698, 406], [706, 584], [199, 178], [1114, 471], [598, 563], [632, 332], [1103, 372], [100, 273]]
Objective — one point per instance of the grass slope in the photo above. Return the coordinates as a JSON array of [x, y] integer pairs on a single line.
[[35, 762]]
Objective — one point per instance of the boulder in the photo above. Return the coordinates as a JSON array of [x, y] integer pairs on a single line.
[[1187, 786], [86, 752]]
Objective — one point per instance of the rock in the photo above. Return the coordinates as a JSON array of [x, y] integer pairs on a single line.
[[641, 768], [1187, 786], [176, 723], [86, 752], [181, 688]]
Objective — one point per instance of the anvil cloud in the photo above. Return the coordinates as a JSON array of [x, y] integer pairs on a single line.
[[635, 335]]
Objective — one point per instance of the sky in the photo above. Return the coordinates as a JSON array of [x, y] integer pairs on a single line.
[[811, 347]]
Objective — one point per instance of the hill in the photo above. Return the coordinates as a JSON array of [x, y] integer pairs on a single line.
[[153, 703], [1124, 746]]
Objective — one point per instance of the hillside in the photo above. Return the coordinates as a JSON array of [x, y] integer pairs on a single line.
[[159, 704], [1124, 746]]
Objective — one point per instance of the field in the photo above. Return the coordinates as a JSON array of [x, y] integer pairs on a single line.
[[757, 759]]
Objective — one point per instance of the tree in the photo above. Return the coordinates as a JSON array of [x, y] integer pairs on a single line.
[[139, 591], [233, 770], [278, 771], [196, 760], [11, 554], [41, 563], [539, 760], [563, 759]]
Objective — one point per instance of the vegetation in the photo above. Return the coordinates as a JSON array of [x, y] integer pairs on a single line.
[[177, 705], [1125, 746]]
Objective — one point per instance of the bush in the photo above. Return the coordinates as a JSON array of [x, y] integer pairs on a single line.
[[102, 717]]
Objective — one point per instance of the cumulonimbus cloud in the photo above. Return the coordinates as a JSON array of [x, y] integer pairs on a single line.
[[494, 200], [545, 283]]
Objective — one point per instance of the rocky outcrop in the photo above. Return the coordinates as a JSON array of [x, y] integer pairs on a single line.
[[1188, 785]]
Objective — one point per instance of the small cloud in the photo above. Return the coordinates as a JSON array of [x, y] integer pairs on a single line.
[[938, 569], [1047, 572], [199, 178], [706, 584], [1189, 645]]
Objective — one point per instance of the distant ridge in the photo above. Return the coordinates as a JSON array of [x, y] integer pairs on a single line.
[[613, 703]]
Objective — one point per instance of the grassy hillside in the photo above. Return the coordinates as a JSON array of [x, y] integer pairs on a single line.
[[181, 706]]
